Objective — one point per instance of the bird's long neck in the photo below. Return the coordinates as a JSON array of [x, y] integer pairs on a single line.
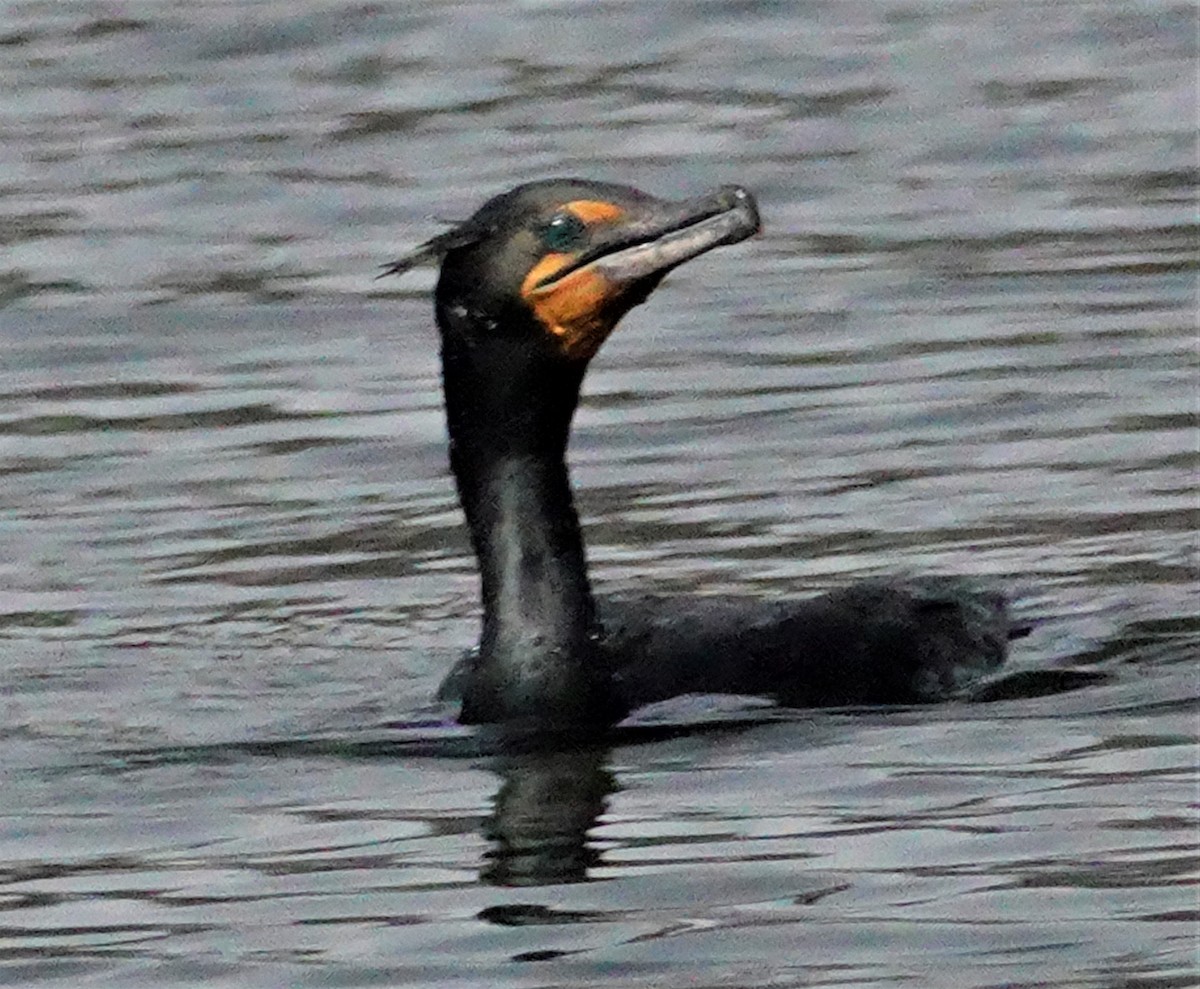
[[508, 436], [536, 596]]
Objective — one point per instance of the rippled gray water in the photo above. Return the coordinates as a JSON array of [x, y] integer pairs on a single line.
[[232, 569]]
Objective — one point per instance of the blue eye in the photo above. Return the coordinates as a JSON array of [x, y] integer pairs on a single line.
[[563, 232]]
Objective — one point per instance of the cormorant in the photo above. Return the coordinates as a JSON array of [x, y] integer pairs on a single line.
[[530, 287]]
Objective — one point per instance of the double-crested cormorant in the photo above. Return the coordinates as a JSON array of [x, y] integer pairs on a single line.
[[530, 287]]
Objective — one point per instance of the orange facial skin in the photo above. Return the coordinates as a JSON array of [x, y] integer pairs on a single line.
[[575, 308], [594, 210]]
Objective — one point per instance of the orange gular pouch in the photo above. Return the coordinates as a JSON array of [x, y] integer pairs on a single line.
[[579, 309]]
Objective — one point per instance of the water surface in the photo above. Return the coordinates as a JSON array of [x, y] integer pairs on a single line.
[[233, 569]]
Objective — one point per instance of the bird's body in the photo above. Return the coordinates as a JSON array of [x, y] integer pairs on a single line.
[[889, 641], [529, 289]]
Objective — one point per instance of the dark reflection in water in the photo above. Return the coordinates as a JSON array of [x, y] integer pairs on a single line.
[[547, 804], [232, 569]]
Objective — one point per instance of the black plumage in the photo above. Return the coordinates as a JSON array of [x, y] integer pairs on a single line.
[[529, 288]]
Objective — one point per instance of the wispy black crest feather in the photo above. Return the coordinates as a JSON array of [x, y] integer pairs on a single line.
[[436, 248]]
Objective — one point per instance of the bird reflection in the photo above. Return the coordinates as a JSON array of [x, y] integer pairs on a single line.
[[547, 803]]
